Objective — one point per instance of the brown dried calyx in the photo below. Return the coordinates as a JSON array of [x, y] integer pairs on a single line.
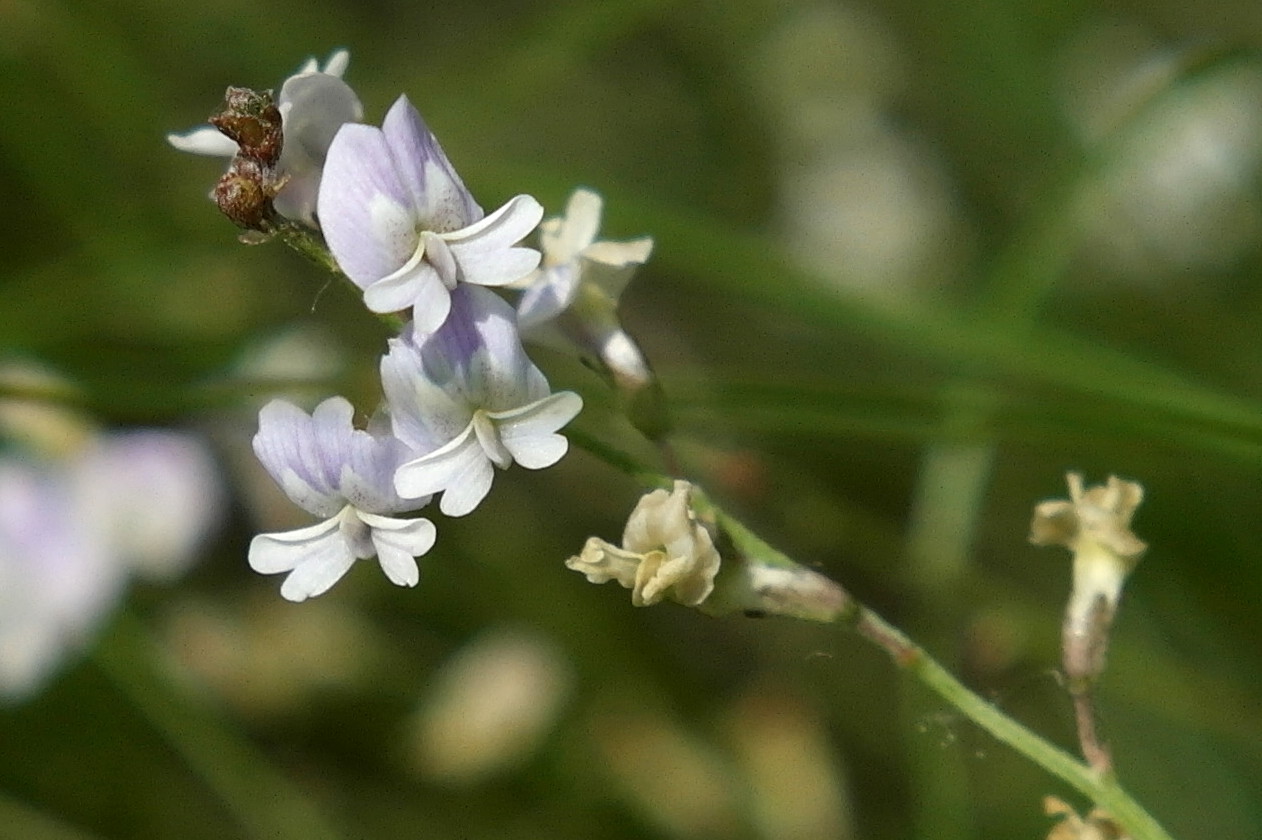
[[244, 194]]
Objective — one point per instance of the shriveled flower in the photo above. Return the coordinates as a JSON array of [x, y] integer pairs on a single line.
[[572, 300], [665, 552], [313, 103], [330, 469], [1097, 825], [404, 228], [1095, 524], [469, 399]]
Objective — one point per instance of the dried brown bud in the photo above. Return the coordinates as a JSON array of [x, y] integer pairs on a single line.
[[251, 120], [244, 194]]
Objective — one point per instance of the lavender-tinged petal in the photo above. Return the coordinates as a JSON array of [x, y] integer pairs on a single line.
[[460, 469], [365, 211], [313, 107], [285, 445], [203, 141], [439, 197], [398, 542], [529, 432], [482, 340], [547, 297], [423, 415]]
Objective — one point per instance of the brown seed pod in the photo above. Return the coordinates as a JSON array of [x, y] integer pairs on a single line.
[[251, 120]]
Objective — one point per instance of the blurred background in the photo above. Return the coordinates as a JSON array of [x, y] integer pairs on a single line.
[[912, 264]]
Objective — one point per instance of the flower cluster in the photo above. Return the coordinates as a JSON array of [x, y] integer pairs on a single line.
[[462, 398]]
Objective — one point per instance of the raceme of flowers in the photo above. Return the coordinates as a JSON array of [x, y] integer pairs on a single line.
[[462, 398]]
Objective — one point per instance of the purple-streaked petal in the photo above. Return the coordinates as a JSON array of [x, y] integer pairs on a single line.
[[439, 197], [423, 414], [366, 212], [285, 445], [529, 433]]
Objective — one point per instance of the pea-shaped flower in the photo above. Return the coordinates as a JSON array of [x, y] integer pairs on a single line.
[[404, 228], [332, 470], [313, 103], [469, 397], [572, 301]]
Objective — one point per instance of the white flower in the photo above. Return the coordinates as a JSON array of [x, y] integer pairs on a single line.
[[330, 469], [402, 226], [665, 553], [572, 300], [313, 103], [469, 399]]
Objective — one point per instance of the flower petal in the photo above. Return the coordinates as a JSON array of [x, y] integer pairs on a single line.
[[316, 558], [398, 543], [365, 210], [528, 433], [438, 196], [485, 252], [461, 470], [203, 141]]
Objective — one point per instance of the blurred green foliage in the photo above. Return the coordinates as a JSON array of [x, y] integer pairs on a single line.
[[1056, 311]]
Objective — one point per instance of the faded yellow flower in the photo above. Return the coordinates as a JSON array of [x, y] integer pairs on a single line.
[[665, 552]]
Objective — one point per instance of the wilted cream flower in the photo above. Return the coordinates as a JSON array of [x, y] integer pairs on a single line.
[[1095, 524], [1098, 825], [665, 553]]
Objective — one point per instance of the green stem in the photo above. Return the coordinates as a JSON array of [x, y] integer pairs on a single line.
[[842, 608], [266, 803]]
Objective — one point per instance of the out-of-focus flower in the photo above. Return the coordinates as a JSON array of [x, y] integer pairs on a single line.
[[402, 226], [76, 521], [1097, 825], [1095, 524], [469, 399], [58, 576], [490, 707], [156, 495], [313, 104], [665, 553], [572, 300], [330, 469]]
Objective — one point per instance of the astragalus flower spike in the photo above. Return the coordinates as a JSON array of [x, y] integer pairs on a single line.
[[469, 398], [330, 469], [313, 104], [404, 228]]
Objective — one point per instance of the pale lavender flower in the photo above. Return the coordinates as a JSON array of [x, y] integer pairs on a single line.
[[72, 529], [330, 469], [58, 578], [404, 228], [470, 399], [155, 495], [314, 103]]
